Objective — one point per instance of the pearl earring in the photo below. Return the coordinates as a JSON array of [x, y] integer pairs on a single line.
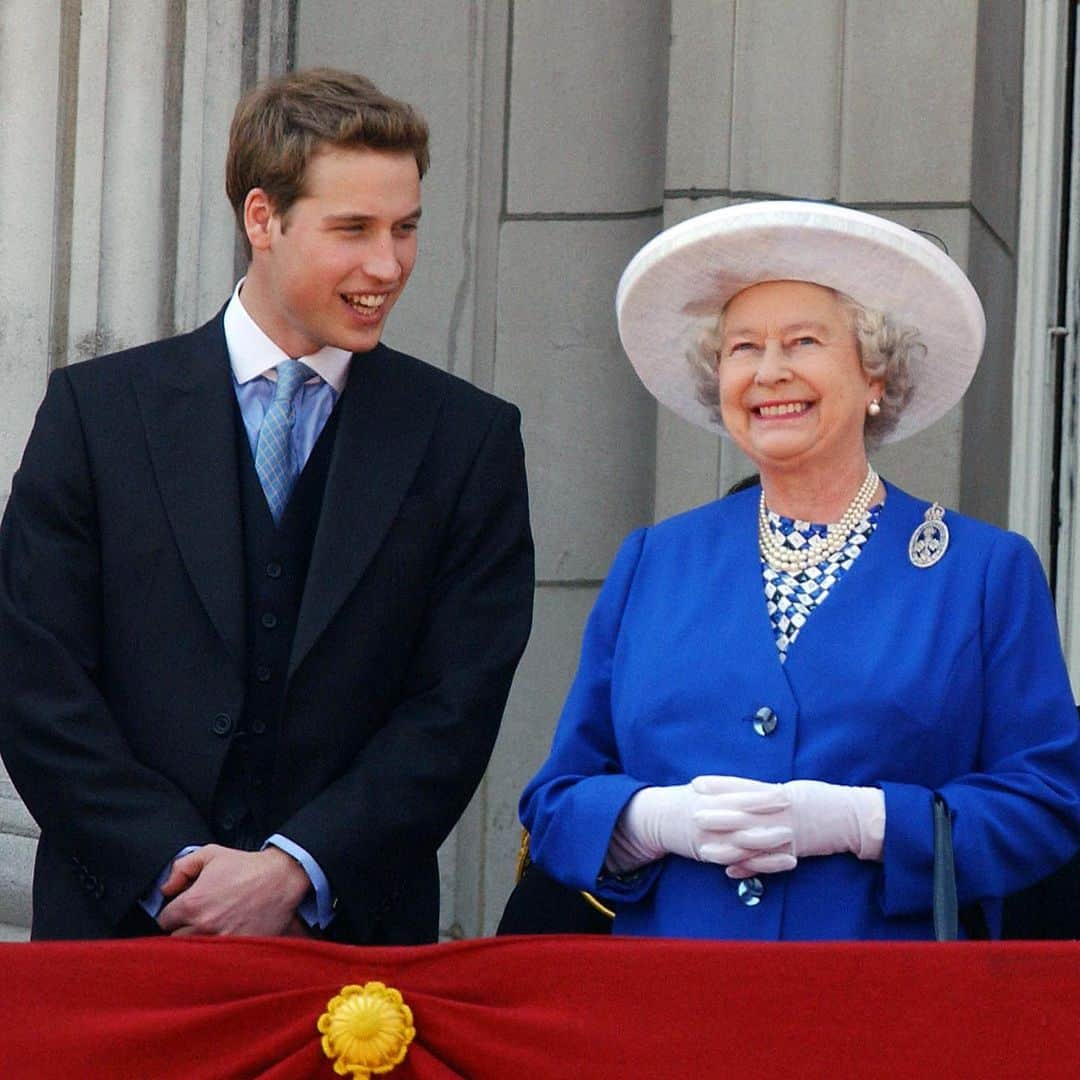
[[873, 408]]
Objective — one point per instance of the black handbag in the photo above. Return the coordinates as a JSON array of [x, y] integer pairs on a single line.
[[1049, 910], [948, 915], [946, 910], [539, 904]]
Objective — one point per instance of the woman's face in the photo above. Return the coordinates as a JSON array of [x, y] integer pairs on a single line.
[[793, 392]]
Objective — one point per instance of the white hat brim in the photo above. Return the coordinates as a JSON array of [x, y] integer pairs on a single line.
[[690, 271]]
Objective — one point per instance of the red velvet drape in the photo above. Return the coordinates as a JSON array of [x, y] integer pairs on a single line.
[[531, 1008]]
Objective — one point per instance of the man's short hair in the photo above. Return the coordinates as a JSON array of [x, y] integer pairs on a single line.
[[280, 125]]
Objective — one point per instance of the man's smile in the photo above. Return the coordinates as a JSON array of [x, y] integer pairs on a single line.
[[365, 302]]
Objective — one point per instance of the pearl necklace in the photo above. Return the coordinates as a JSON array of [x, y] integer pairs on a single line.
[[818, 548]]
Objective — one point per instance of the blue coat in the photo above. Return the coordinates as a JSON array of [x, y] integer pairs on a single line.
[[948, 679]]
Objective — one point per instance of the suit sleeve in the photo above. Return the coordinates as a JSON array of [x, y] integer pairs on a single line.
[[1017, 817], [115, 818], [572, 804], [413, 779]]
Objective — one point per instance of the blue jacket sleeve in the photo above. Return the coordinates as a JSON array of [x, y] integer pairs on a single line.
[[1018, 816], [572, 804]]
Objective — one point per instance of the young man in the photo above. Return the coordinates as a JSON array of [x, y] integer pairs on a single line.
[[258, 619]]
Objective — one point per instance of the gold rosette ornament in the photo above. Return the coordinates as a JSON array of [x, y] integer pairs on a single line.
[[366, 1029]]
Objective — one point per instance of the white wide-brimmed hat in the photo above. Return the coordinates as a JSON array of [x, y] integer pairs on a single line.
[[690, 271]]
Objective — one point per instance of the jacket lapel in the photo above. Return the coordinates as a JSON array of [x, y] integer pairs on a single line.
[[188, 404], [383, 433]]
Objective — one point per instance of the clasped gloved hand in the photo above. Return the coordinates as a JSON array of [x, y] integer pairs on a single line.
[[746, 825], [825, 819], [717, 826]]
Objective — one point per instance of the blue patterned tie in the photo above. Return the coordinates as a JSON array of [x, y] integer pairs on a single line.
[[274, 459]]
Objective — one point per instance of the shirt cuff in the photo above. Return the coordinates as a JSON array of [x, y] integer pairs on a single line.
[[317, 908], [152, 901]]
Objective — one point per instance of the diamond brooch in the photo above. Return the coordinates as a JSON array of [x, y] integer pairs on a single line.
[[930, 540]]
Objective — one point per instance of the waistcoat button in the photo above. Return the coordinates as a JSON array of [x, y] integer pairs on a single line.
[[222, 724]]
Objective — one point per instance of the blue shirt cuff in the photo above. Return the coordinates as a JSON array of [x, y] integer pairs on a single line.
[[152, 901], [317, 908]]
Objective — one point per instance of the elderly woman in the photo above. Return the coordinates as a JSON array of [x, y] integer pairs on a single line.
[[773, 687]]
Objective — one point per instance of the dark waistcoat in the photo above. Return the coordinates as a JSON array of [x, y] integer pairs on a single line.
[[276, 562]]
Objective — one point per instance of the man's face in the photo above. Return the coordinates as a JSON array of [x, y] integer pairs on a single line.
[[329, 270]]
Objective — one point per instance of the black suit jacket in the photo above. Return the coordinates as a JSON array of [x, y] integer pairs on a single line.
[[122, 651]]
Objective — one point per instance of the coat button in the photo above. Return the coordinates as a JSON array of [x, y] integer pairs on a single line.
[[750, 891], [273, 569], [269, 620], [222, 724], [262, 673], [228, 823], [765, 721], [258, 727]]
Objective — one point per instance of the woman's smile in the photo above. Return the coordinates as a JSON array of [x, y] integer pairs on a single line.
[[781, 410]]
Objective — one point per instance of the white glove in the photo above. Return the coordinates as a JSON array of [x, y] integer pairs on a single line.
[[824, 819], [724, 825]]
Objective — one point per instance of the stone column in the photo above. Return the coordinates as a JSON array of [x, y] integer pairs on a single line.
[[992, 260], [30, 54]]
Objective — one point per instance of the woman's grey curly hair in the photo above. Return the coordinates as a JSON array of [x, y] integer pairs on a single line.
[[888, 351]]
